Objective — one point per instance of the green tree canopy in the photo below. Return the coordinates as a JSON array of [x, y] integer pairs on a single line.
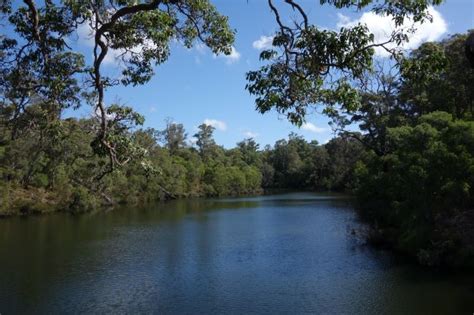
[[38, 68], [308, 66], [173, 136]]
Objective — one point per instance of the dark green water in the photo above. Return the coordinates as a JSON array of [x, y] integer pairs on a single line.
[[289, 253]]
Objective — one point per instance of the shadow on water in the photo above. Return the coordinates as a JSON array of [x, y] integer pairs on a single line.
[[268, 254]]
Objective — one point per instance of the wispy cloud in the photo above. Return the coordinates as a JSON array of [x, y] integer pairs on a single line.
[[383, 26], [250, 134], [218, 124], [342, 20], [201, 48], [233, 57], [312, 128], [264, 42]]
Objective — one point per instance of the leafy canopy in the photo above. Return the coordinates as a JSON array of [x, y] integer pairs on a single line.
[[41, 75], [308, 65]]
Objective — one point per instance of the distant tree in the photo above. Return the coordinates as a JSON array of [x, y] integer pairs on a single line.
[[173, 136], [205, 140], [147, 138], [344, 154], [288, 163], [249, 149], [319, 169]]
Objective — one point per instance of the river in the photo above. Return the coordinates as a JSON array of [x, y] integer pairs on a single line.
[[289, 253]]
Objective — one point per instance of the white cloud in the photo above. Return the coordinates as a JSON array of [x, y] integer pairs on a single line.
[[342, 20], [218, 124], [152, 109], [383, 26], [312, 128], [250, 134], [201, 48], [85, 36], [264, 42], [232, 58]]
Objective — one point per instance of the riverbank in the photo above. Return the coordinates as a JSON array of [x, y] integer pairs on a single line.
[[37, 201], [450, 242]]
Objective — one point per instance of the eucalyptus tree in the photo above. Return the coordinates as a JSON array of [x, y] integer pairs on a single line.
[[434, 77], [205, 140], [309, 65], [39, 78], [141, 32], [438, 76], [249, 149], [39, 69], [173, 136]]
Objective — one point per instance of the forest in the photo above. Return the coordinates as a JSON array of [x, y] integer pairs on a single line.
[[410, 165], [60, 175]]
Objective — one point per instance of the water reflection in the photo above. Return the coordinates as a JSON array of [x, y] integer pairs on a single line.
[[270, 254]]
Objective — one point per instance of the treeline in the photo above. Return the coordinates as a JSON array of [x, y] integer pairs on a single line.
[[56, 169]]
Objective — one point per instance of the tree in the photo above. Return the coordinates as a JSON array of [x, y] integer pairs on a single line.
[[249, 149], [37, 65], [344, 153], [308, 65], [205, 141], [437, 76], [174, 136]]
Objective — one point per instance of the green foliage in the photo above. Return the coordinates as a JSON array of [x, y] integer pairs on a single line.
[[40, 75], [309, 66], [437, 76], [82, 201], [174, 136], [205, 141], [297, 164], [60, 169], [426, 180]]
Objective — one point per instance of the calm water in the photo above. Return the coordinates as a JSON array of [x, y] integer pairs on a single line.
[[289, 253]]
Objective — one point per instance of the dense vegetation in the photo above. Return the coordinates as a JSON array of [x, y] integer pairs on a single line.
[[40, 174], [411, 164], [416, 182]]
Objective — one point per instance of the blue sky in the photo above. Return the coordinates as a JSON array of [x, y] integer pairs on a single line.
[[194, 86]]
